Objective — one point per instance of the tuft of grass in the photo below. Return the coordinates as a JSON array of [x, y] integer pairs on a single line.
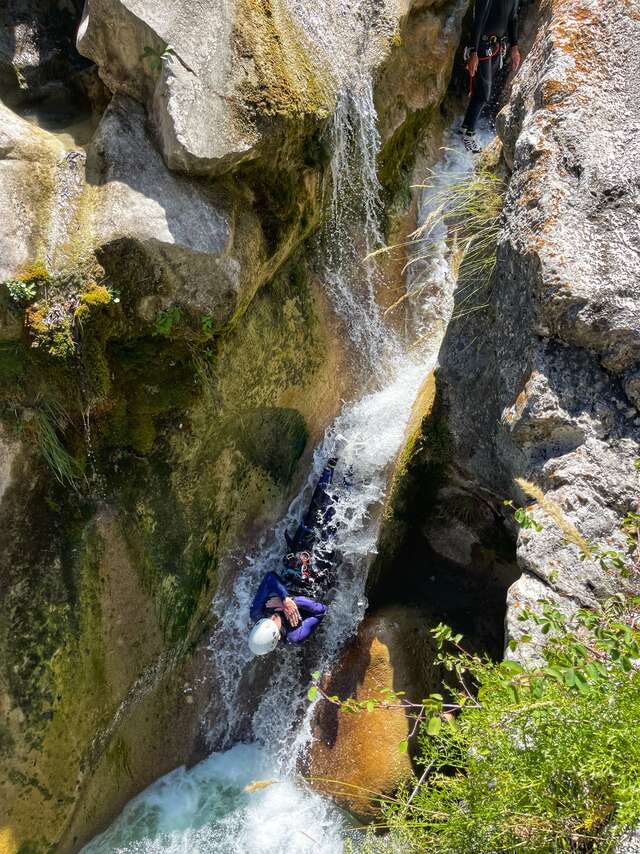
[[467, 213], [49, 420], [571, 533]]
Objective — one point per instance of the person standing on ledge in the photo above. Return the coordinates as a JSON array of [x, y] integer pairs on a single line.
[[495, 30]]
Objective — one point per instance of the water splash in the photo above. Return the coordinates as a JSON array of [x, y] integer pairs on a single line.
[[207, 811]]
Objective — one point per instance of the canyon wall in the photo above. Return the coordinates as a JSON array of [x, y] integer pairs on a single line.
[[539, 380]]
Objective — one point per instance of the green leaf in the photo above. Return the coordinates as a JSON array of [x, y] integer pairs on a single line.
[[315, 675], [581, 683], [513, 645], [370, 704], [512, 666], [312, 693], [434, 726], [403, 746]]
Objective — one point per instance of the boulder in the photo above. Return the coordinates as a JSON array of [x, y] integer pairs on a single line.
[[357, 757], [217, 77], [201, 245]]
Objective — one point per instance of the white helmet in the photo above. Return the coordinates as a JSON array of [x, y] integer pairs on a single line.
[[264, 637]]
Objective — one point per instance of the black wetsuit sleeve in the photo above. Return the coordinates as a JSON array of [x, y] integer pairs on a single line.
[[514, 24], [482, 9]]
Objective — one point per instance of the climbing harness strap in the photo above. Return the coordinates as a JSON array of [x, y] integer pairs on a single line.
[[494, 46]]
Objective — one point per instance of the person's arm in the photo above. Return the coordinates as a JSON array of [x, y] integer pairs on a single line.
[[304, 630], [271, 585]]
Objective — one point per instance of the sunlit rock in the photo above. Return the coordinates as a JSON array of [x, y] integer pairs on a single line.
[[358, 756]]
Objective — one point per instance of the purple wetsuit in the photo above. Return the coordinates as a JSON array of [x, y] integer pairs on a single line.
[[311, 612]]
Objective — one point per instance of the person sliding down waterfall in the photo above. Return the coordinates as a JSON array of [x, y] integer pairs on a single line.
[[280, 617], [495, 28]]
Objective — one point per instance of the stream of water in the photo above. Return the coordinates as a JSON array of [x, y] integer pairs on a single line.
[[207, 809]]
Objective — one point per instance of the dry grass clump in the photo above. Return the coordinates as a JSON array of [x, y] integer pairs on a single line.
[[571, 533]]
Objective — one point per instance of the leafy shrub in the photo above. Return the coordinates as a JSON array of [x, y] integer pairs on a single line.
[[166, 320], [541, 759]]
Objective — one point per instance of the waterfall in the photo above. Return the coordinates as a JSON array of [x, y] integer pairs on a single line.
[[207, 809], [353, 229]]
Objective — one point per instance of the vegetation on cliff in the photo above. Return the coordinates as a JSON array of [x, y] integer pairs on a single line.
[[536, 753], [539, 759]]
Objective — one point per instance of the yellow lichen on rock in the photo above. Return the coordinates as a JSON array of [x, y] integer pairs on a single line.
[[286, 83]]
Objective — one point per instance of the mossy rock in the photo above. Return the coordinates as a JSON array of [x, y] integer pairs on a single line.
[[288, 83]]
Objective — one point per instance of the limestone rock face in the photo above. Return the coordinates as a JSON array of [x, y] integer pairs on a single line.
[[10, 447], [577, 179], [393, 649], [215, 75], [36, 48], [203, 244], [546, 376], [30, 164], [418, 68]]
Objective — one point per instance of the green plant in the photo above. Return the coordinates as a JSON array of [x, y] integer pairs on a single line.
[[537, 759], [48, 421], [467, 212], [206, 325], [533, 759], [524, 518], [154, 58], [166, 320], [20, 291]]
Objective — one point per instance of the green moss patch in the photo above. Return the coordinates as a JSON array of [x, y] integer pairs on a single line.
[[398, 154]]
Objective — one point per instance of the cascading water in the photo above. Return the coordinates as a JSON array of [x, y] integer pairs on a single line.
[[208, 809]]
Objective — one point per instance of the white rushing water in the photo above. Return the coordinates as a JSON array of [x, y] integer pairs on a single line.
[[206, 809]]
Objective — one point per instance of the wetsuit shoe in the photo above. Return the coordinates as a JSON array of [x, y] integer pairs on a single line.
[[470, 141]]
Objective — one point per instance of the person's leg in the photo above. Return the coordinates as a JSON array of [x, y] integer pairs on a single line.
[[481, 93]]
